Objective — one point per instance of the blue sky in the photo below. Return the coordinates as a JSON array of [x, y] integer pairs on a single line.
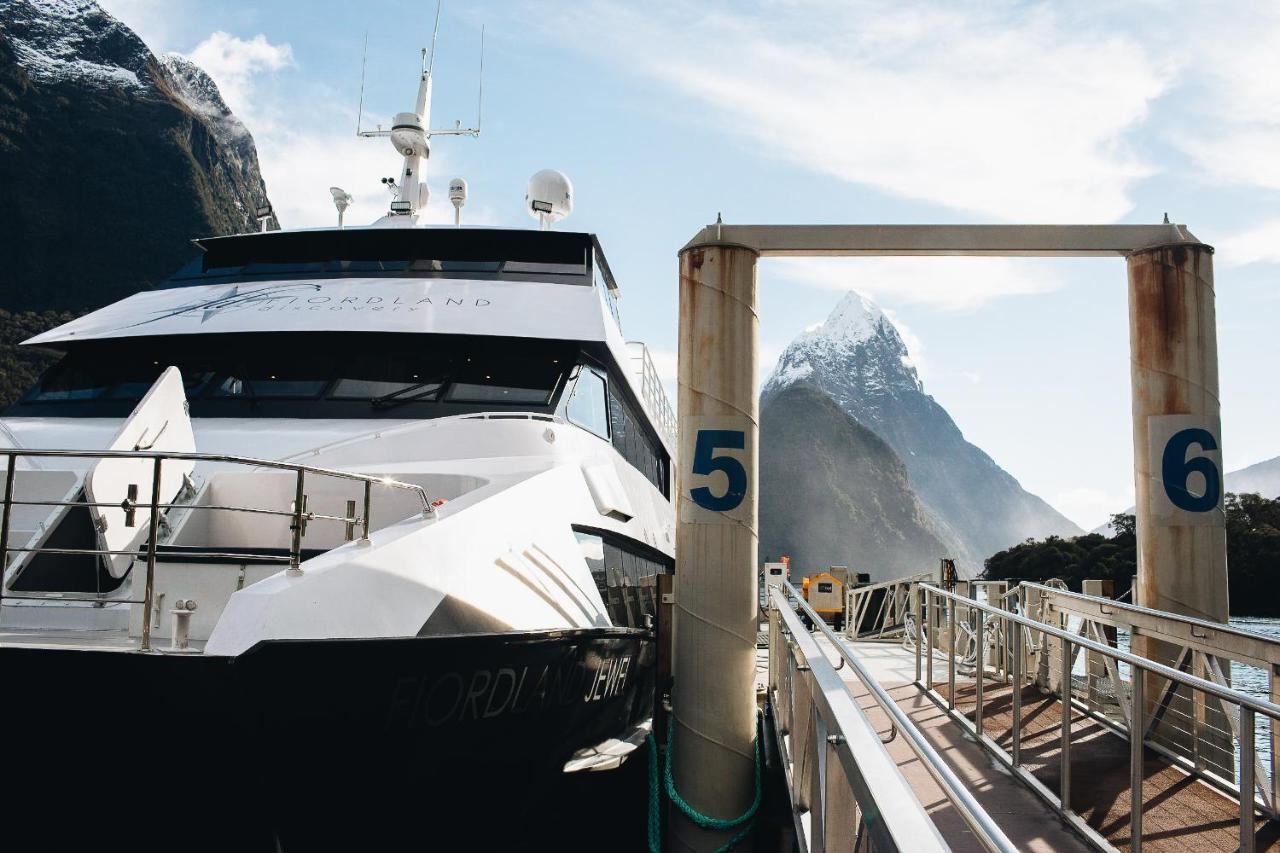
[[787, 111]]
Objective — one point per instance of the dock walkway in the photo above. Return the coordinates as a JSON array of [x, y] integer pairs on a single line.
[[1181, 813]]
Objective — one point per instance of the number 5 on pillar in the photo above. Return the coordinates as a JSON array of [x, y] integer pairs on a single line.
[[718, 463]]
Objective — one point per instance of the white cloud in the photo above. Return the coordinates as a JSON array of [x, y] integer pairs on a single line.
[[1258, 245], [956, 284], [304, 152], [234, 63], [915, 346], [1091, 508], [1241, 155], [1235, 88], [157, 22], [1012, 114]]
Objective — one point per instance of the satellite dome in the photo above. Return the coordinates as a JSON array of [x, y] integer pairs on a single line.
[[549, 197]]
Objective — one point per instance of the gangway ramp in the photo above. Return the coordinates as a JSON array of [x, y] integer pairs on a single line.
[[970, 725]]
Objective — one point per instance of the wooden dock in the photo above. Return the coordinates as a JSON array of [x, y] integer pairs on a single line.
[[1180, 812]]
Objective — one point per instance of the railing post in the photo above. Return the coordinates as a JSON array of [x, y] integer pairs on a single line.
[[1016, 696], [4, 520], [932, 635], [1274, 726], [368, 503], [951, 656], [295, 542], [1064, 771], [917, 603], [153, 531], [1247, 781], [980, 664], [1137, 770]]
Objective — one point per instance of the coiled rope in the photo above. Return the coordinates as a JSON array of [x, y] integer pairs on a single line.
[[746, 820]]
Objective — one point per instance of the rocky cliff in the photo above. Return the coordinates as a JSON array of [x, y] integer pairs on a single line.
[[834, 493], [111, 160]]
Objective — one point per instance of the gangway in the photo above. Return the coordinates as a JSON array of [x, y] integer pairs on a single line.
[[1006, 724]]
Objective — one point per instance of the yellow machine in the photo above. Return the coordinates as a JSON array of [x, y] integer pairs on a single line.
[[825, 593]]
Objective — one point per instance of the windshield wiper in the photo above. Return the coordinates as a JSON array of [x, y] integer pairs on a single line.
[[406, 394]]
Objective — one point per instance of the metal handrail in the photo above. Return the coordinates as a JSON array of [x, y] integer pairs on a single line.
[[1249, 707], [651, 390], [892, 815], [299, 514], [974, 815], [1190, 621], [1260, 706]]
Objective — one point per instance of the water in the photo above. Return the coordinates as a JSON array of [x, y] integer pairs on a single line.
[[1248, 679]]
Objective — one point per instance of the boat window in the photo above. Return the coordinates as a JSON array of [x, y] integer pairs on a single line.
[[375, 389], [317, 374], [588, 407], [240, 385], [636, 444], [626, 575]]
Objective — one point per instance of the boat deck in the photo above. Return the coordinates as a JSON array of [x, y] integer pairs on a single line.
[[1180, 812]]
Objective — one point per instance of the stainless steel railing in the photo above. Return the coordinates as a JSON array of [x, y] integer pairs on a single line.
[[652, 391], [891, 603], [299, 514], [984, 828], [940, 614], [1191, 732]]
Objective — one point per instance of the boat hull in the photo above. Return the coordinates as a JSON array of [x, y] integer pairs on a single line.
[[440, 741]]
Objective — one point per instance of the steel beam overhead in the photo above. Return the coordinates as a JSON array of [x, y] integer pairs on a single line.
[[1041, 241]]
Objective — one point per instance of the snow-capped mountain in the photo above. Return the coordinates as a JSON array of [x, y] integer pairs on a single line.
[[111, 160], [859, 359], [60, 40], [131, 153]]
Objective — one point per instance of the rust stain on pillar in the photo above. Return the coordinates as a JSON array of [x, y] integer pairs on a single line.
[[714, 708], [1182, 555]]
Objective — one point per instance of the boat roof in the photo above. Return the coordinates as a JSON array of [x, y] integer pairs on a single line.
[[468, 281]]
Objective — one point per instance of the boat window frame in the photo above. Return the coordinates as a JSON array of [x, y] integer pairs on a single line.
[[571, 387]]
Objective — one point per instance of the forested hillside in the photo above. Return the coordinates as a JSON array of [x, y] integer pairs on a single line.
[[1253, 556]]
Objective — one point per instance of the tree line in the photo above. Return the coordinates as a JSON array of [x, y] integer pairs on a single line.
[[1253, 556]]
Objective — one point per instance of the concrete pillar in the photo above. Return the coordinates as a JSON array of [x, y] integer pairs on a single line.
[[1177, 455], [714, 705]]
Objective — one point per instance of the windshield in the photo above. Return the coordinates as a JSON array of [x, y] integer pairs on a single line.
[[308, 374]]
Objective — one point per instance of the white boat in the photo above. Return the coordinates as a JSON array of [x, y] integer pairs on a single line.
[[339, 530]]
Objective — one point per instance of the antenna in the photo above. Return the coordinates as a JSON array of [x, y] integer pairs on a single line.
[[480, 95], [435, 32], [364, 61]]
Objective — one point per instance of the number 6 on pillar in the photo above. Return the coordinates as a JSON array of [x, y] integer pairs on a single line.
[[718, 465], [1186, 469]]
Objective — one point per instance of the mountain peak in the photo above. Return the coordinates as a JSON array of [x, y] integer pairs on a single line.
[[855, 319], [75, 39], [856, 333]]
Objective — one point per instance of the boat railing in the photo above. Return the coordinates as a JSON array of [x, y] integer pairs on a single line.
[[1025, 641], [847, 792], [298, 513], [652, 391]]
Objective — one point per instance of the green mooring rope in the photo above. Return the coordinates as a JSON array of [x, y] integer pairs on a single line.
[[698, 818]]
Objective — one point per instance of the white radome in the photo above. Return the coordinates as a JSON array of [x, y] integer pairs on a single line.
[[549, 197]]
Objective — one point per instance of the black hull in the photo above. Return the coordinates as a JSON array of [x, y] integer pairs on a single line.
[[418, 743]]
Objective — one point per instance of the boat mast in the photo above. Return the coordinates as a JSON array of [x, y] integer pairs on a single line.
[[410, 134]]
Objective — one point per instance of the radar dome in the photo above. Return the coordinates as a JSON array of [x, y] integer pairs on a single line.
[[549, 197]]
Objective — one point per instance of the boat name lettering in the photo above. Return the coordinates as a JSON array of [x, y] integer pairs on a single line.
[[485, 693], [362, 303]]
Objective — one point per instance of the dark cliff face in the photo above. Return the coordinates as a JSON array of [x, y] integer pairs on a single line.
[[833, 493], [108, 169], [858, 358], [111, 161]]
